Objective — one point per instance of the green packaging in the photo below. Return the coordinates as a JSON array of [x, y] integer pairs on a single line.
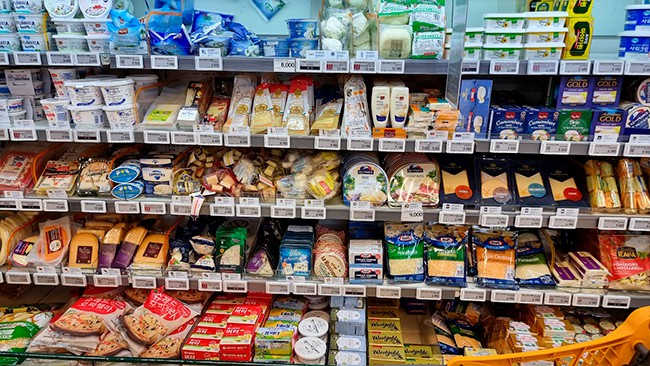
[[574, 124]]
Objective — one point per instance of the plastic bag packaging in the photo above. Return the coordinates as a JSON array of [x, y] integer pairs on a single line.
[[241, 102], [244, 42], [445, 254], [532, 268], [634, 191], [163, 112], [53, 242], [16, 170], [210, 30], [601, 184], [297, 108], [327, 116], [364, 28], [427, 16], [405, 251], [93, 178], [495, 257], [356, 114], [263, 115], [128, 35], [267, 9], [428, 45], [393, 12], [177, 43], [335, 29], [395, 41], [627, 258]]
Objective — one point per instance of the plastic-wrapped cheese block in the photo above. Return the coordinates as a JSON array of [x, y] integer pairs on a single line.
[[15, 170], [394, 41], [364, 180]]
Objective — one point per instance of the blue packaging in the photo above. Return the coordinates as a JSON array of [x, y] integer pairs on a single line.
[[157, 174], [302, 28], [540, 123], [574, 92], [634, 45], [474, 106], [608, 121], [244, 42], [128, 35], [638, 119], [127, 172], [606, 91], [507, 122], [637, 17], [531, 185], [300, 46], [267, 8], [128, 191], [294, 260], [275, 47]]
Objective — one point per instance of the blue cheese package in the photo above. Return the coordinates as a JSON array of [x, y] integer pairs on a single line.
[[295, 260]]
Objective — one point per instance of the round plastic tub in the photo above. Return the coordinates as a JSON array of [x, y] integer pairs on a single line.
[[121, 117], [91, 115], [69, 43], [494, 37], [33, 42], [546, 19], [637, 18], [543, 51], [299, 47], [59, 77], [15, 104], [96, 26], [545, 35], [62, 9], [302, 28], [56, 112], [95, 9], [84, 92], [70, 26], [30, 23], [502, 52], [7, 23], [117, 91], [10, 43], [98, 43], [504, 20]]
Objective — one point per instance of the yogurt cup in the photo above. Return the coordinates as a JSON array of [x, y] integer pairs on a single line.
[[95, 9], [121, 117], [59, 77], [501, 52], [117, 91], [70, 26], [503, 36], [473, 36], [84, 92], [300, 46], [96, 26], [10, 43], [98, 43], [62, 9], [545, 35], [15, 116], [5, 6], [634, 45], [39, 87], [504, 20], [7, 23], [28, 6], [87, 116], [546, 19], [543, 51], [56, 112], [14, 105], [30, 23], [302, 28], [637, 17], [34, 42], [70, 43]]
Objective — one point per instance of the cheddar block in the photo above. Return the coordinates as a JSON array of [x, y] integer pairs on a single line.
[[114, 236], [152, 253], [129, 246], [84, 250]]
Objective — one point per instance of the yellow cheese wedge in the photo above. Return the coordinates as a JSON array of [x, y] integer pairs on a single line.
[[452, 181], [84, 250], [104, 225], [110, 217], [114, 236], [490, 183], [558, 188], [97, 232], [524, 182], [152, 252]]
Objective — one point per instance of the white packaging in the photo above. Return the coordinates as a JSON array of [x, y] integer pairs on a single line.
[[15, 116], [380, 104], [313, 327], [84, 92], [545, 35], [10, 43], [473, 36], [59, 77], [98, 43], [472, 53], [28, 6], [70, 26], [495, 37], [395, 41], [70, 43], [543, 51], [96, 26], [30, 23], [62, 9], [34, 42], [117, 91], [504, 20], [7, 23], [546, 19], [15, 104], [428, 45], [399, 106], [310, 349], [505, 52], [366, 252], [87, 116], [56, 112], [95, 9], [121, 117]]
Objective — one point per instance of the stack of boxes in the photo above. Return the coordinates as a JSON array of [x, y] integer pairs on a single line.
[[366, 261], [275, 339], [348, 340]]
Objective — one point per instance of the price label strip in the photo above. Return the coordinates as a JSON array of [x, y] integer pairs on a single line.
[[428, 293]]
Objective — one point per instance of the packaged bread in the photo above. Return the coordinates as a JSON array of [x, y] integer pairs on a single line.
[[601, 184], [634, 191]]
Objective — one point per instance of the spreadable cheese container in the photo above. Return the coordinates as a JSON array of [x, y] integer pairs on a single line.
[[502, 52], [637, 18], [546, 19], [543, 51], [504, 20], [496, 37], [545, 35], [634, 45], [473, 37]]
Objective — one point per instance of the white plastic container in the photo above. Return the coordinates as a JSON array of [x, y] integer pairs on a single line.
[[30, 23], [10, 43], [117, 91], [14, 116], [101, 77], [70, 26], [545, 35], [142, 80], [634, 45], [28, 6], [59, 77], [34, 42], [7, 23], [15, 105], [70, 43], [84, 92], [504, 20], [472, 53], [310, 349], [121, 117], [503, 36], [96, 26], [95, 9], [92, 115], [473, 36], [502, 52], [546, 19], [62, 9], [56, 112], [5, 6], [313, 327], [543, 51], [98, 43], [380, 105], [399, 106]]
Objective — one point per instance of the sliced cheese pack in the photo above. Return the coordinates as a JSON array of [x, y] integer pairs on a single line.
[[495, 181], [53, 242], [84, 250], [531, 185], [566, 186], [152, 253], [458, 181]]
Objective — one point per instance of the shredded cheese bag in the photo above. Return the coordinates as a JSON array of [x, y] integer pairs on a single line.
[[445, 254], [495, 258], [532, 268], [405, 250]]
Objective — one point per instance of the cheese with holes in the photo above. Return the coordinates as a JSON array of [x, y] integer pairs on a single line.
[[84, 249], [152, 252]]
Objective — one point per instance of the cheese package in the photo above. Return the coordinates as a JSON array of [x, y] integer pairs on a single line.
[[634, 191], [574, 124], [495, 257], [53, 242], [152, 252], [412, 178], [16, 170], [405, 251], [240, 104], [565, 275], [109, 245], [444, 248], [364, 181], [566, 185], [58, 175], [297, 110], [84, 251], [263, 115], [531, 184], [356, 113], [602, 187], [386, 355], [626, 258], [458, 181], [129, 246], [532, 268], [157, 174], [495, 181]]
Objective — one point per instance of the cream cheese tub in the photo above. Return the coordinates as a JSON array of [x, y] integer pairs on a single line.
[[546, 19], [84, 92], [502, 52], [56, 112], [117, 91], [87, 116], [543, 51], [121, 117]]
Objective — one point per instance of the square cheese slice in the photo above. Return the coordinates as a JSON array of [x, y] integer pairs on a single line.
[[452, 181], [558, 188]]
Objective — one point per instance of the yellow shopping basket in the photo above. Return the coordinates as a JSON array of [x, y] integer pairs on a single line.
[[627, 345]]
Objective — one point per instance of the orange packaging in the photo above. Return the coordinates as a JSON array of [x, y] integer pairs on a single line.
[[388, 133]]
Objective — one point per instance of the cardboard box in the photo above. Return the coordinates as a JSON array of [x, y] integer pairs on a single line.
[[578, 38]]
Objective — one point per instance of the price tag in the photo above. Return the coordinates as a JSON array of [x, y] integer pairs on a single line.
[[336, 66], [4, 132], [23, 134], [46, 279], [428, 293], [490, 220], [59, 135], [284, 65], [361, 212], [125, 207], [183, 138], [8, 204], [208, 63], [555, 147], [586, 300], [468, 67], [635, 150], [604, 149], [525, 221], [563, 222], [153, 208], [142, 282], [87, 136], [156, 137], [210, 139], [277, 142], [504, 146], [87, 59], [30, 205], [277, 288], [282, 212], [460, 147], [473, 294], [360, 144], [412, 212], [236, 286], [304, 65], [182, 200], [93, 206], [389, 292], [557, 299], [74, 280], [221, 210], [639, 224], [354, 291], [503, 296], [543, 67], [612, 223], [4, 58], [59, 59], [114, 137], [366, 55], [428, 146], [327, 143], [55, 205], [249, 211], [608, 67], [27, 59], [637, 68], [392, 145], [452, 218], [616, 302], [164, 62], [391, 67], [14, 194], [330, 290], [129, 61], [210, 285], [18, 278], [364, 66], [530, 297], [305, 289], [106, 280], [313, 213], [179, 284], [575, 67], [232, 140], [504, 67], [180, 209]]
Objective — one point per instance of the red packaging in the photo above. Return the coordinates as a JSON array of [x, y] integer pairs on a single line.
[[201, 332], [201, 349], [221, 309], [214, 320], [237, 343], [246, 314], [229, 299]]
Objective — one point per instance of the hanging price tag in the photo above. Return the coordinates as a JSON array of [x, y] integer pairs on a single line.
[[7, 204], [183, 138], [635, 150], [543, 67], [612, 223], [504, 67], [208, 63], [55, 205], [531, 217], [557, 299], [428, 293], [555, 147], [74, 280], [93, 206], [58, 135], [391, 67], [106, 280], [277, 138], [27, 59], [457, 146], [364, 66], [336, 66], [608, 67], [153, 208], [470, 67], [314, 209], [490, 220], [87, 59], [60, 59], [327, 143], [23, 134], [157, 137], [180, 209], [283, 212], [277, 288], [563, 222], [452, 218], [210, 285], [129, 61], [249, 211], [586, 300], [637, 68], [575, 67], [389, 292], [284, 65], [178, 284], [116, 137], [361, 211], [4, 132], [222, 210], [4, 58], [473, 294], [30, 205], [164, 62], [18, 278], [46, 279], [392, 145]]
